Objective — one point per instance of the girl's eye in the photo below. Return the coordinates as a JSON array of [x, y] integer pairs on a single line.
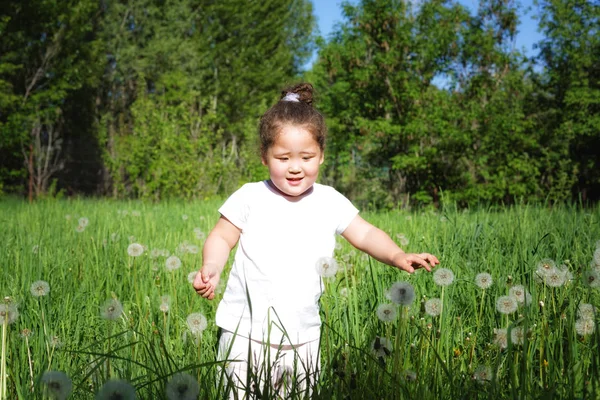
[[283, 159], [306, 158]]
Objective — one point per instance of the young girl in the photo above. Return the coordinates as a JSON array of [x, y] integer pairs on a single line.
[[285, 226]]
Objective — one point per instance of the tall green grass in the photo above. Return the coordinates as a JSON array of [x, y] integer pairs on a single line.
[[453, 355]]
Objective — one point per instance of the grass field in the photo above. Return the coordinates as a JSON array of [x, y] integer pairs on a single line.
[[526, 330]]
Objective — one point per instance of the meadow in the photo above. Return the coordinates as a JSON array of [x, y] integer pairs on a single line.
[[96, 300]]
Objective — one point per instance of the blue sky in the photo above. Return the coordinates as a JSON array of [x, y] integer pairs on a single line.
[[329, 13]]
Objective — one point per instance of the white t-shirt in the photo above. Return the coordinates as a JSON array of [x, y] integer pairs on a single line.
[[273, 283]]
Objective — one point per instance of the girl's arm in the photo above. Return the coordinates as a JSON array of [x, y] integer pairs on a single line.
[[380, 246], [223, 237]]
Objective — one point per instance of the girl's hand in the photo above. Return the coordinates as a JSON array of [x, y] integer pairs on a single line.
[[410, 261], [206, 282]]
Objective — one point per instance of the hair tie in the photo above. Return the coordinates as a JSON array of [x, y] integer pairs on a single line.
[[291, 97]]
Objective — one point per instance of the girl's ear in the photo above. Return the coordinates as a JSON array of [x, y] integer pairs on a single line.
[[322, 158], [264, 161]]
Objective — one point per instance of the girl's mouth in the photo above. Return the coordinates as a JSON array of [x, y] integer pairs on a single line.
[[294, 181]]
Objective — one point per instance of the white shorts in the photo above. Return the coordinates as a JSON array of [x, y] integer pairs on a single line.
[[253, 368]]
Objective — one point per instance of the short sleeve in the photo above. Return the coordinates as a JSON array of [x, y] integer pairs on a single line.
[[344, 211], [237, 206]]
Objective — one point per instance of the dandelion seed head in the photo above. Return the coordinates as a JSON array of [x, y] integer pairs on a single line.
[[326, 267], [517, 335], [111, 310], [381, 347], [136, 213], [483, 280], [25, 333], [585, 327], [193, 249], [546, 264], [192, 276], [80, 228], [433, 307], [521, 295], [196, 323], [344, 292], [164, 307], [55, 341], [386, 312], [173, 263], [116, 389], [8, 314], [200, 235], [591, 278], [482, 374], [402, 293], [554, 278], [443, 277], [83, 221], [185, 217], [597, 255], [114, 237], [402, 239], [506, 304], [135, 249], [182, 386], [39, 288], [35, 249], [586, 311], [57, 385], [501, 338]]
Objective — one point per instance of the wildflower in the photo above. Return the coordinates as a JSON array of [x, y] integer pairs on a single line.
[[482, 374], [402, 293], [386, 312], [483, 280], [114, 237], [506, 304], [135, 249], [80, 229], [501, 338], [592, 278], [116, 389], [443, 277], [56, 342], [193, 249], [25, 333], [155, 253], [555, 278], [197, 323], [597, 255], [192, 276], [165, 302], [111, 310], [184, 217], [182, 386], [344, 292], [402, 239], [57, 384], [544, 268], [517, 335], [39, 288], [585, 327], [200, 235], [8, 314], [182, 248], [520, 294], [83, 221], [173, 263], [586, 311], [433, 307], [326, 267], [381, 347]]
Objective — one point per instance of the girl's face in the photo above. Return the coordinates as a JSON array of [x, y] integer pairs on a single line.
[[293, 160]]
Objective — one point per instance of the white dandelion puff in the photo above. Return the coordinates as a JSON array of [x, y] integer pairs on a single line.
[[197, 323], [192, 276], [381, 347], [155, 253], [555, 278], [39, 288], [173, 263], [386, 312], [80, 228], [586, 311], [506, 304], [443, 277], [116, 389], [338, 246], [185, 217], [482, 374], [57, 385], [402, 239], [501, 338], [83, 221], [8, 314], [517, 335], [200, 235], [114, 237], [111, 310], [344, 292], [326, 267], [591, 278], [182, 386], [433, 307], [521, 295], [585, 327], [483, 280], [402, 293], [597, 256], [135, 249], [55, 341], [192, 249]]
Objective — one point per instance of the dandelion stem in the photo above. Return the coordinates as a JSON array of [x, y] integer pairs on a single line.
[[478, 324], [30, 364], [3, 361]]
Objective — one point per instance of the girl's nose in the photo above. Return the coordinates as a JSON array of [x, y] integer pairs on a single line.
[[294, 168]]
